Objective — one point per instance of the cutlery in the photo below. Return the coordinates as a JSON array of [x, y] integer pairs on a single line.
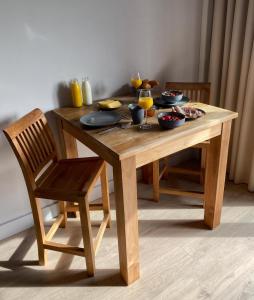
[[121, 126]]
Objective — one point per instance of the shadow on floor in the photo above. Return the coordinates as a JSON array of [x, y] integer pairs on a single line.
[[17, 272], [27, 273], [28, 277]]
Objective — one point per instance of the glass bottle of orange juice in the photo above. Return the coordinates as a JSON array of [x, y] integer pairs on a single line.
[[76, 92]]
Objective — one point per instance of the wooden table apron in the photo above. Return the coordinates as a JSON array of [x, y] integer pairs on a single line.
[[125, 183]]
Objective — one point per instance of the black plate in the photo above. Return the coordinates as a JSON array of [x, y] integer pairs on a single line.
[[159, 102]]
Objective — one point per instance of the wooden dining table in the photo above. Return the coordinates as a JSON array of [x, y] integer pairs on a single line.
[[130, 148]]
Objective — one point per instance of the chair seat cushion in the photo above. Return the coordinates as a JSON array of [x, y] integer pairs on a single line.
[[68, 179]]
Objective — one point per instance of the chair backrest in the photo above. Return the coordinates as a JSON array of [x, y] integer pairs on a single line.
[[32, 143], [196, 91]]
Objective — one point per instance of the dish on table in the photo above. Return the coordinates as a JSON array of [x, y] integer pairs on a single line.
[[160, 102], [170, 120], [190, 113], [109, 104], [100, 119], [172, 96]]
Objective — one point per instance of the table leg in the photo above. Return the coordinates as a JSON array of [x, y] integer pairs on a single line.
[[68, 143], [217, 154], [125, 183], [68, 149]]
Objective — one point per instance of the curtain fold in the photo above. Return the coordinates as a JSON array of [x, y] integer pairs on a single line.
[[231, 73]]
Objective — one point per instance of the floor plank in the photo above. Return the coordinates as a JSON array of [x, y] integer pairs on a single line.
[[179, 257]]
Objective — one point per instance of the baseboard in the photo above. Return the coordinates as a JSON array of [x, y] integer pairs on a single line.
[[25, 221]]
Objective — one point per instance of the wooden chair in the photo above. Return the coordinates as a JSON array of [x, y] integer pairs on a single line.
[[65, 180], [197, 92]]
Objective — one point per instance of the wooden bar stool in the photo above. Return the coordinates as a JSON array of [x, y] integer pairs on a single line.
[[65, 180], [197, 92]]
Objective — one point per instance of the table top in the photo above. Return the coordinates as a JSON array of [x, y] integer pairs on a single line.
[[131, 141]]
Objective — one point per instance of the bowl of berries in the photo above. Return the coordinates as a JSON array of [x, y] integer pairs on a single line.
[[172, 96], [169, 120]]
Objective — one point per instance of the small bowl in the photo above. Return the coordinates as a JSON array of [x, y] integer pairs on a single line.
[[170, 124], [151, 111], [178, 95]]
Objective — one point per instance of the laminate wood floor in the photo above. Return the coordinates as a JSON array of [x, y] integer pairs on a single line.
[[180, 258]]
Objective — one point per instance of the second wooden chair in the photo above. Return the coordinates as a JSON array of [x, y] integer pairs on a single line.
[[197, 92]]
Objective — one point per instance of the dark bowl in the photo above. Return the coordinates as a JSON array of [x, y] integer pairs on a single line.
[[169, 124], [172, 99]]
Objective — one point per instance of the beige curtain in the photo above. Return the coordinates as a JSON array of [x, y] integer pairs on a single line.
[[227, 57]]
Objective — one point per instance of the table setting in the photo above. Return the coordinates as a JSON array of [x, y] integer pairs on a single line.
[[145, 110], [138, 113]]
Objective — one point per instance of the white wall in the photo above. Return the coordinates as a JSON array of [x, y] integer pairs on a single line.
[[46, 43]]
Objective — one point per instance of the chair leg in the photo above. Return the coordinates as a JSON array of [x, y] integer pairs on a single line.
[[39, 229], [156, 180], [73, 214], [62, 209], [105, 194], [203, 165], [87, 236], [147, 173], [166, 172]]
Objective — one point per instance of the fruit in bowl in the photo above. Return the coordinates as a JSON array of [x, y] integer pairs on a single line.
[[169, 120], [172, 96]]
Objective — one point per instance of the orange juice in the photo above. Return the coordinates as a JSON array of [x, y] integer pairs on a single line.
[[76, 92], [136, 82], [145, 102]]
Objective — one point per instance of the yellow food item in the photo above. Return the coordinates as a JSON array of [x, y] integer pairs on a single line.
[[109, 103]]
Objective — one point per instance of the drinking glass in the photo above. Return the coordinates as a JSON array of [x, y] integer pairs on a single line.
[[145, 101], [136, 81]]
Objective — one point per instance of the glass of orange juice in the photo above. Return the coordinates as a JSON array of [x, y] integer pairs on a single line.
[[136, 81], [145, 101]]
